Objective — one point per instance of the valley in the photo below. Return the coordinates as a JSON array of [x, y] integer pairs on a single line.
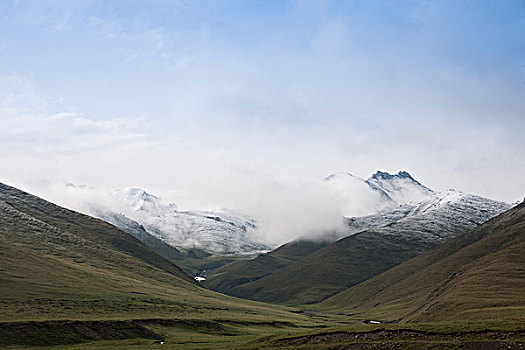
[[262, 175], [447, 271]]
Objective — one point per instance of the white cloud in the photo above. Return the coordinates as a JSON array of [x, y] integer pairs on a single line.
[[180, 106], [42, 151]]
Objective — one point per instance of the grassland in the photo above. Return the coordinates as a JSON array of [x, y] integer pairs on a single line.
[[188, 334]]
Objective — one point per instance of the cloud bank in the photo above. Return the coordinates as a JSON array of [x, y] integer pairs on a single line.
[[248, 106]]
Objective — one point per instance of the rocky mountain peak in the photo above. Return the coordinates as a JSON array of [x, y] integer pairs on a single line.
[[383, 175]]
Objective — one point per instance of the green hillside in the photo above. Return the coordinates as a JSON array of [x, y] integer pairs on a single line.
[[59, 267], [331, 269], [41, 215], [226, 278], [356, 258], [138, 231], [478, 275]]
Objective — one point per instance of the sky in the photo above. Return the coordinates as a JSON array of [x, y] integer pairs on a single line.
[[246, 104]]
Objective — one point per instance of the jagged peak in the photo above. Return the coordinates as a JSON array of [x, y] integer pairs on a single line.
[[404, 174], [378, 175], [381, 175], [387, 176]]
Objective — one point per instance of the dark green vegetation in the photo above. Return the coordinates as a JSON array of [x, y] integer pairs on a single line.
[[64, 332], [315, 274], [478, 275], [227, 278], [196, 261]]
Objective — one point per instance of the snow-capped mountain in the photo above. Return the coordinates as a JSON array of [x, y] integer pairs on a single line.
[[399, 199], [401, 187], [381, 200], [360, 198], [142, 202], [223, 232], [381, 192], [434, 218]]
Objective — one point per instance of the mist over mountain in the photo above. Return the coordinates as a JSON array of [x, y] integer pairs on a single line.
[[381, 192], [379, 242], [325, 210], [223, 232]]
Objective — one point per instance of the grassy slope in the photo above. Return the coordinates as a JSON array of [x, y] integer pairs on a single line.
[[478, 275], [331, 269], [62, 265], [357, 258], [81, 226], [202, 335], [227, 277]]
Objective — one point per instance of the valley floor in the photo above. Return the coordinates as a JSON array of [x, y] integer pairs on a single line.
[[224, 334]]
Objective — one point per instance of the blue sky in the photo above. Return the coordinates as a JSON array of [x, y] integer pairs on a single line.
[[189, 97]]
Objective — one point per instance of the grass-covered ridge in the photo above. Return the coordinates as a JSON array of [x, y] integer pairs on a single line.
[[227, 278], [478, 275]]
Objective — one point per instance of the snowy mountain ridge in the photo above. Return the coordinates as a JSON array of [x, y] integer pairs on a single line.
[[385, 199], [143, 202], [380, 193], [381, 200], [432, 218], [224, 232], [402, 188]]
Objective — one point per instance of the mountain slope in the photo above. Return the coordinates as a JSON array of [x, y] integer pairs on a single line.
[[39, 212], [377, 192], [231, 233], [221, 232], [194, 261], [246, 271], [478, 275], [356, 258], [138, 231], [61, 265]]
